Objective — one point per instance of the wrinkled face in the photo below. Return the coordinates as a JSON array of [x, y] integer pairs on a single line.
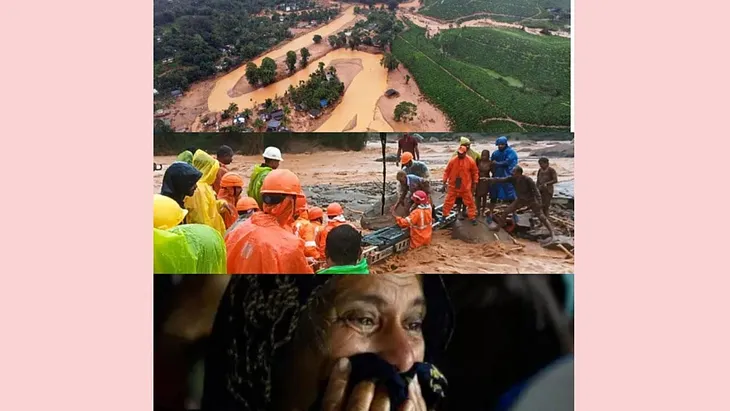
[[369, 313], [502, 147]]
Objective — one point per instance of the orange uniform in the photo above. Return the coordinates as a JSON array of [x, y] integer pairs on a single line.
[[464, 173], [228, 184], [419, 221], [306, 231]]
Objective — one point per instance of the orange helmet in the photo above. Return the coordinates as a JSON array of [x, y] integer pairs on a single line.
[[315, 213], [334, 209], [419, 197], [231, 180], [300, 205], [282, 181], [406, 157], [246, 203]]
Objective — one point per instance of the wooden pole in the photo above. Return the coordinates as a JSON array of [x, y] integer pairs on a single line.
[[382, 199]]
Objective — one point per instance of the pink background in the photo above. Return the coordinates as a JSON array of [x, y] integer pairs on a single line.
[[76, 294]]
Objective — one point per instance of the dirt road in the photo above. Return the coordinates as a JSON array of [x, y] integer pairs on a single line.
[[354, 179]]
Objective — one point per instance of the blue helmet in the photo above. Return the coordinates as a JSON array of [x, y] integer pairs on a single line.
[[501, 140]]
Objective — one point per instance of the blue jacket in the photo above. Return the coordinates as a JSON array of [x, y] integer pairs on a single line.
[[505, 162]]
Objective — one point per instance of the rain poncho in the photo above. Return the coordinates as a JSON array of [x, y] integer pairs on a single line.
[[230, 215], [189, 249], [504, 162], [307, 231], [464, 173], [419, 221], [266, 244], [260, 172], [471, 153], [359, 268], [186, 157], [179, 179], [203, 206]]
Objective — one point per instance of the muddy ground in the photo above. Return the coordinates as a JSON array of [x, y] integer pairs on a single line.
[[355, 178]]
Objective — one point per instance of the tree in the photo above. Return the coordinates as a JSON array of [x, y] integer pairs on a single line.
[[267, 71], [332, 40], [389, 61], [291, 60], [354, 41], [259, 125], [405, 111], [252, 73], [317, 39], [230, 112], [408, 78], [247, 113], [305, 56]]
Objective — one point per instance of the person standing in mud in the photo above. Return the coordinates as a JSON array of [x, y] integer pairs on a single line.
[[504, 160], [485, 172], [408, 144], [527, 196], [419, 221], [460, 180], [546, 178], [411, 166], [409, 184], [224, 155], [463, 141], [272, 158]]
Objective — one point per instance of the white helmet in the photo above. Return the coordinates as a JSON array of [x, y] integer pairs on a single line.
[[273, 153]]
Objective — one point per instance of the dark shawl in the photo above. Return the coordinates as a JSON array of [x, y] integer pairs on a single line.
[[179, 178]]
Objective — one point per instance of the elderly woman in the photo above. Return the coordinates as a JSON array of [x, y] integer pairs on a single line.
[[323, 342]]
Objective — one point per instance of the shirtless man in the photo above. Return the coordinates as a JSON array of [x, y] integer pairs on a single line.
[[546, 177]]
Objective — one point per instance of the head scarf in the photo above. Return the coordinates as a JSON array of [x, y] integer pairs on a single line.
[[258, 316], [186, 157], [179, 179], [207, 165]]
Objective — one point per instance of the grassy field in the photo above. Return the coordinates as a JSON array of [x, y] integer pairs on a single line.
[[452, 9], [477, 74]]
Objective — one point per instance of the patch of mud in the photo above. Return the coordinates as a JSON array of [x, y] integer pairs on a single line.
[[477, 234], [428, 117], [351, 124], [565, 150]]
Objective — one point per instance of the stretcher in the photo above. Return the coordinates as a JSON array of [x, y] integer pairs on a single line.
[[388, 241]]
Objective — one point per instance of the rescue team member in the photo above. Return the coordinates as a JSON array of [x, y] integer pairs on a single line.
[[186, 157], [166, 212], [224, 155], [546, 178], [189, 249], [203, 206], [411, 166], [409, 184], [245, 206], [230, 192], [304, 229], [419, 221], [485, 172], [316, 219], [344, 252], [469, 152], [527, 196], [335, 218], [180, 181], [504, 160], [272, 158], [460, 179], [265, 243], [407, 144]]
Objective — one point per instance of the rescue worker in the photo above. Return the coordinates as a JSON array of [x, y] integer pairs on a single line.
[[304, 229], [166, 212], [344, 252], [316, 219], [180, 181], [411, 166], [265, 243], [335, 218], [189, 249], [409, 184], [546, 178], [272, 158], [420, 221], [460, 180], [224, 155], [504, 160], [203, 206], [463, 141], [231, 189], [245, 206], [186, 157], [407, 144], [527, 196]]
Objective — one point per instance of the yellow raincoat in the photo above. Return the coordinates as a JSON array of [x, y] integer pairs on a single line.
[[189, 249], [202, 206]]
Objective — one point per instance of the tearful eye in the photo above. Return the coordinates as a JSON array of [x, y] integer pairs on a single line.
[[415, 326], [364, 321]]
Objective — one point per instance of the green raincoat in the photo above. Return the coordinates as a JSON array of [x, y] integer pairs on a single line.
[[257, 179], [189, 249], [360, 268]]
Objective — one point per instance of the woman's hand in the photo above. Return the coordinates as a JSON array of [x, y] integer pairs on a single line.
[[366, 396]]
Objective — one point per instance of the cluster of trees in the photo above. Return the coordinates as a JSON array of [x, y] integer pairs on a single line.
[[405, 111], [193, 39], [379, 29], [322, 85], [291, 59], [264, 75]]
